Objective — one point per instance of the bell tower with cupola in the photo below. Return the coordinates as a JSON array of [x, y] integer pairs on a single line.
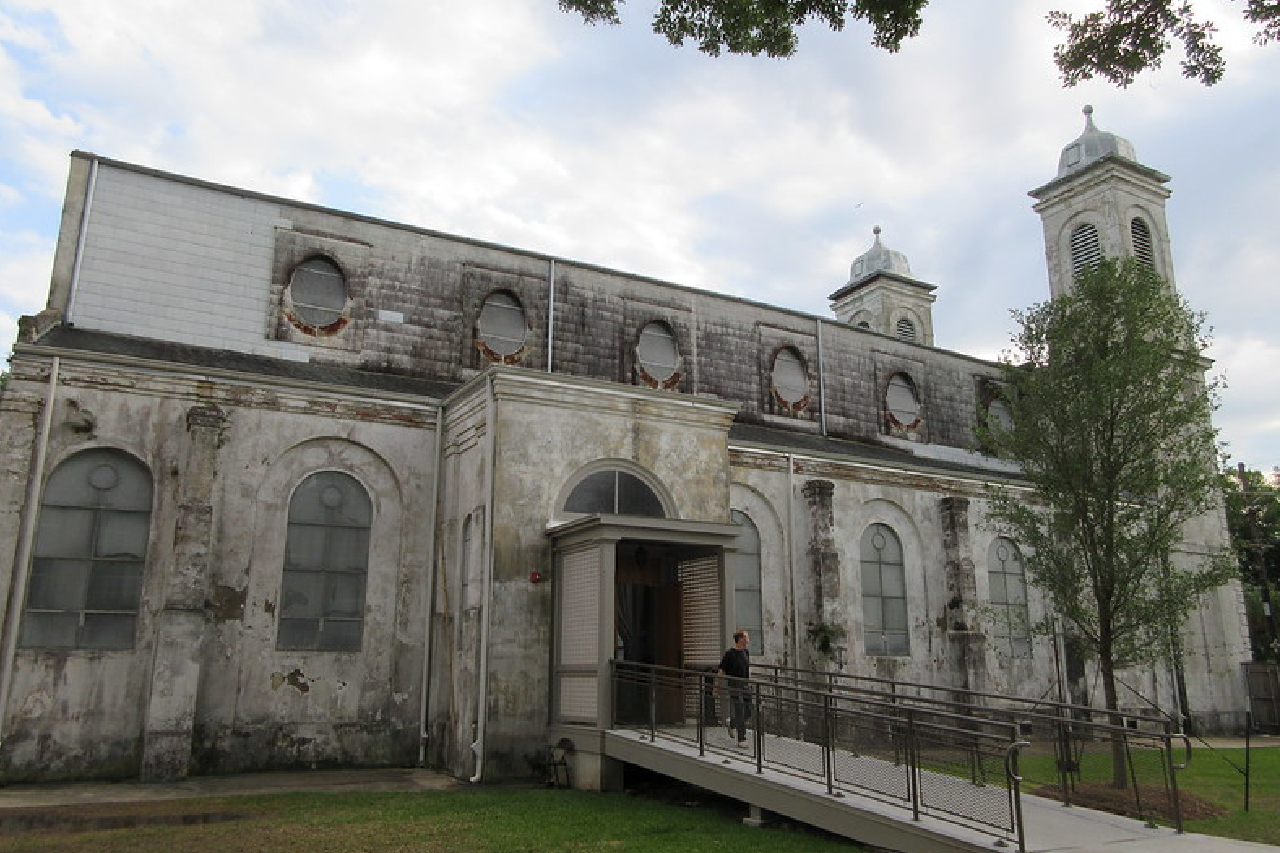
[[1102, 204], [882, 295]]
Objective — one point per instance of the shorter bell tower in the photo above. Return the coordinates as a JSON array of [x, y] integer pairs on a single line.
[[884, 297]]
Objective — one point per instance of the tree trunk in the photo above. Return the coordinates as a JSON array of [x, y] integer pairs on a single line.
[[1119, 759]]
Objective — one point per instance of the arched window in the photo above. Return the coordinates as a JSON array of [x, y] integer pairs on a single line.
[[790, 381], [901, 402], [326, 561], [999, 416], [657, 354], [90, 550], [318, 290], [1008, 581], [614, 493], [906, 329], [502, 327], [1140, 233], [748, 604], [884, 592], [1086, 249]]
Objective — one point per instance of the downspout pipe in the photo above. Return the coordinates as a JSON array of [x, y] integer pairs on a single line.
[[791, 561], [482, 677], [26, 542], [822, 383], [551, 311], [429, 593], [90, 188]]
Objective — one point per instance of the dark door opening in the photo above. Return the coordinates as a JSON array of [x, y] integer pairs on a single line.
[[647, 621]]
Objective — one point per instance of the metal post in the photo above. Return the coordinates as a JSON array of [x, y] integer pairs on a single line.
[[913, 765], [828, 759], [653, 705], [756, 734]]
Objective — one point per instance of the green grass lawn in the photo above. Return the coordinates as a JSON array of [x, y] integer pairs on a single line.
[[486, 820], [1212, 777], [523, 820]]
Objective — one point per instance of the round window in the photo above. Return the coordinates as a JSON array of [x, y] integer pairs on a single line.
[[657, 353], [318, 290]]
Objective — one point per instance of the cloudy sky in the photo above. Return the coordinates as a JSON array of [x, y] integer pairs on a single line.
[[511, 121]]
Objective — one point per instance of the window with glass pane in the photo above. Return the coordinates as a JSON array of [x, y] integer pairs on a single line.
[[1007, 578], [884, 592], [502, 324], [90, 549], [657, 352], [326, 564], [789, 378], [901, 400], [614, 493], [745, 571], [319, 292]]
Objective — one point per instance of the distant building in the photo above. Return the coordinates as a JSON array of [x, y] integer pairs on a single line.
[[284, 486]]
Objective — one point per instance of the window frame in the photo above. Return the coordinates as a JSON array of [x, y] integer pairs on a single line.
[[902, 379], [320, 324], [501, 347], [1011, 619], [325, 579], [55, 563], [792, 357], [620, 478], [878, 607], [645, 364]]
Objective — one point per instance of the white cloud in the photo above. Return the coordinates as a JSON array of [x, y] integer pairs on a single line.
[[510, 121]]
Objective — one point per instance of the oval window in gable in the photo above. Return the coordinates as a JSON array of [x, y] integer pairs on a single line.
[[502, 327], [318, 291], [657, 354], [790, 381]]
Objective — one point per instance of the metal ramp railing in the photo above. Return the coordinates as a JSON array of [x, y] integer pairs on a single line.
[[958, 756]]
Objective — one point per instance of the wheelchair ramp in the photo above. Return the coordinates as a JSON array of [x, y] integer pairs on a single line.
[[731, 771], [719, 765]]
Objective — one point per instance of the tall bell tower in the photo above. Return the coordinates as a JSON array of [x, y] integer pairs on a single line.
[[1102, 204]]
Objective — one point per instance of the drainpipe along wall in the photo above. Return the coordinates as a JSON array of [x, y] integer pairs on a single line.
[[429, 592], [26, 540], [482, 676]]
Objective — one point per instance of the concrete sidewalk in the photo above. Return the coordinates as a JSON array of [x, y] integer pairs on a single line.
[[77, 793]]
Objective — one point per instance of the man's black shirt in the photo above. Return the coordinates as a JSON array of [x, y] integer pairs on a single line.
[[736, 663]]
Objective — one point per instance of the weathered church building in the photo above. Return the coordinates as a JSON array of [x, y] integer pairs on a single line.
[[285, 486]]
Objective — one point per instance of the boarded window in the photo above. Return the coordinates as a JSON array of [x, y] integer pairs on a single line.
[[884, 592], [318, 290], [90, 550], [906, 329], [326, 562]]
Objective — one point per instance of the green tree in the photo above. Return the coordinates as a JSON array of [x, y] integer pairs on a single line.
[[1111, 426], [1115, 43], [1253, 518]]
